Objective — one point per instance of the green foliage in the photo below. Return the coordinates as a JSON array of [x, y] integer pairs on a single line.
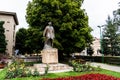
[[78, 67], [3, 73], [29, 73], [46, 69], [72, 32], [90, 50], [17, 69], [34, 42], [21, 36], [111, 35], [35, 73], [2, 38], [29, 40], [111, 39], [56, 75]]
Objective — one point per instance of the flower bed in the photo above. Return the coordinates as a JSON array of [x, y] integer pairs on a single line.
[[87, 77]]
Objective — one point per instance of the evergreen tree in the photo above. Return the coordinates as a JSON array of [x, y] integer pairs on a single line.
[[111, 34], [2, 38], [116, 14], [72, 32], [110, 37]]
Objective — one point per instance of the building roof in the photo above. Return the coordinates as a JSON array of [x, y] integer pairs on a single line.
[[12, 14]]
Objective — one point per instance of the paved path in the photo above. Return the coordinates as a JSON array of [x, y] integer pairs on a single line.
[[106, 66]]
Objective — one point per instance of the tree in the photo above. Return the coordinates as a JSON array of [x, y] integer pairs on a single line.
[[33, 41], [28, 40], [116, 14], [2, 38], [111, 34], [72, 32], [21, 36], [110, 37], [90, 50]]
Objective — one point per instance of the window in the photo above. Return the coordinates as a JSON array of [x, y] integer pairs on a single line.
[[7, 40], [8, 21], [14, 27], [7, 30]]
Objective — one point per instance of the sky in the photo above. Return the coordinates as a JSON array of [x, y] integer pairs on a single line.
[[97, 10]]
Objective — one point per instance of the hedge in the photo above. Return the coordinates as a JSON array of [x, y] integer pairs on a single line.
[[107, 59]]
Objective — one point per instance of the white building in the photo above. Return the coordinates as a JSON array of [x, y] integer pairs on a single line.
[[10, 19], [96, 47]]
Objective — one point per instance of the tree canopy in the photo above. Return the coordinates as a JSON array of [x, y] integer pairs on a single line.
[[28, 40], [21, 36], [72, 32], [2, 38], [111, 35]]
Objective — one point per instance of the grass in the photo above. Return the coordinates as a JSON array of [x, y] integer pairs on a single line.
[[63, 74], [2, 74]]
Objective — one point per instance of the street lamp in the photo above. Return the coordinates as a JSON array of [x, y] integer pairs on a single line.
[[101, 44]]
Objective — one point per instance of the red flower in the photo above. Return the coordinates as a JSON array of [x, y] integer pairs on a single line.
[[87, 77]]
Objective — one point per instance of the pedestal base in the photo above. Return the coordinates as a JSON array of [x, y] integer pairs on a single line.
[[52, 68], [49, 55]]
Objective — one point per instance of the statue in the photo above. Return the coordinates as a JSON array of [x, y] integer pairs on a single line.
[[49, 36]]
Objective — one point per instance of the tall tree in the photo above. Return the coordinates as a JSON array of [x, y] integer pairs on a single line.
[[116, 14], [110, 37], [21, 36], [2, 38], [33, 41], [72, 31], [28, 40]]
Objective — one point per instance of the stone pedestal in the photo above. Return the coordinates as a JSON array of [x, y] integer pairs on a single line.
[[52, 68], [49, 55]]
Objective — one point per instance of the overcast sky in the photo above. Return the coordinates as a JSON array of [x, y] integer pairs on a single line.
[[97, 10]]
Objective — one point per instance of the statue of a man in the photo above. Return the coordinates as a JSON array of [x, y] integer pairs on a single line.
[[49, 35]]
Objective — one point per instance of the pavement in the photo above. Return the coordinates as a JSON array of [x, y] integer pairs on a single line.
[[106, 66]]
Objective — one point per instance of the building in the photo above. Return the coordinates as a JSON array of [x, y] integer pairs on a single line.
[[96, 46], [11, 21]]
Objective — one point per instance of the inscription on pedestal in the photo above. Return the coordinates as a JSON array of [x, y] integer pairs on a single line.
[[49, 55]]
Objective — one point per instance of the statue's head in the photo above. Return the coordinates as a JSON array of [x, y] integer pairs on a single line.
[[49, 23]]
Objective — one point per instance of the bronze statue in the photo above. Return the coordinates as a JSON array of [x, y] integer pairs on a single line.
[[49, 35]]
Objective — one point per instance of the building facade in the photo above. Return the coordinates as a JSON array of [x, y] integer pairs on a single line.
[[96, 47], [11, 21]]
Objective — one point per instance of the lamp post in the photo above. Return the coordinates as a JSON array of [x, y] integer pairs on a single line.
[[101, 44]]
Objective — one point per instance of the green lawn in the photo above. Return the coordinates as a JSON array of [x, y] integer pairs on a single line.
[[63, 74]]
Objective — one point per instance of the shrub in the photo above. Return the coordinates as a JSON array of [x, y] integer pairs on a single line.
[[87, 77], [36, 73], [46, 69], [80, 67], [28, 72], [18, 69]]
